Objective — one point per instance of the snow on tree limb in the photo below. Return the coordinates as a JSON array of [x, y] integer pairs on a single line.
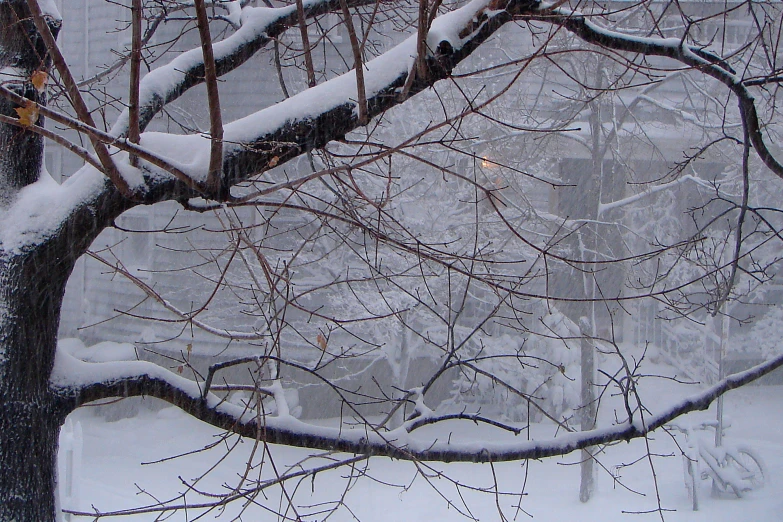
[[327, 112], [319, 115], [258, 27], [81, 382], [676, 49]]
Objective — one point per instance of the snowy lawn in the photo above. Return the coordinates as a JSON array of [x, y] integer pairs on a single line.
[[111, 475]]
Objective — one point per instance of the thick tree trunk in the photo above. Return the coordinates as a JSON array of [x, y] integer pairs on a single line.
[[30, 413], [22, 53], [28, 459], [32, 284]]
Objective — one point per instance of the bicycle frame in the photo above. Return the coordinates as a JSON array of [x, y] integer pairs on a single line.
[[735, 469]]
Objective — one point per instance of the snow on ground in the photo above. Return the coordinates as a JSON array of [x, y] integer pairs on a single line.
[[111, 476]]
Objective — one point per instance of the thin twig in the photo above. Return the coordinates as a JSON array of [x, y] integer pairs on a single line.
[[214, 185], [358, 64], [135, 78], [46, 133]]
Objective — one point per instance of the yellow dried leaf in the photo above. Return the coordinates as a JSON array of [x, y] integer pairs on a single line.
[[321, 340], [28, 114], [273, 162], [39, 79]]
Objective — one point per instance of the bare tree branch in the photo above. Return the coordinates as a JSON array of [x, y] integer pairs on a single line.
[[306, 49], [214, 186], [358, 63], [134, 129], [129, 379]]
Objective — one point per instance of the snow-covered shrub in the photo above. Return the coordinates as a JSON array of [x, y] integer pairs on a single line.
[[543, 365], [554, 363], [763, 338]]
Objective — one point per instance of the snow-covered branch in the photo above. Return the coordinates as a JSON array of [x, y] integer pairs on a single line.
[[604, 207], [258, 26], [676, 49], [328, 111], [80, 382]]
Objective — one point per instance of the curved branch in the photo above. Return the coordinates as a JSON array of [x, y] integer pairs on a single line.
[[676, 49], [137, 378]]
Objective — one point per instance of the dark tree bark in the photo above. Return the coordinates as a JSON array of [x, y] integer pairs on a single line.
[[23, 51], [30, 415], [32, 285]]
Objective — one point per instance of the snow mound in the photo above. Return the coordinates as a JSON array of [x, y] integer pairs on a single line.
[[105, 351]]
